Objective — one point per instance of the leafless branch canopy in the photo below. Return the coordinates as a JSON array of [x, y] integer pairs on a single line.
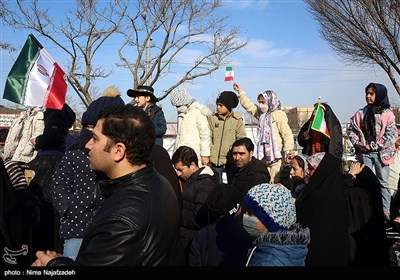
[[171, 27], [154, 36], [362, 31]]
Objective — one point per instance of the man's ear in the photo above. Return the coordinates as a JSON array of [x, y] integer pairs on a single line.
[[192, 165], [119, 151]]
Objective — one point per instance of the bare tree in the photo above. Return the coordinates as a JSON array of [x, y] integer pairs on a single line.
[[7, 46], [362, 31], [84, 30], [161, 29], [157, 30]]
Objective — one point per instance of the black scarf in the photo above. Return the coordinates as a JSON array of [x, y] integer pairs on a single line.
[[381, 103], [368, 125]]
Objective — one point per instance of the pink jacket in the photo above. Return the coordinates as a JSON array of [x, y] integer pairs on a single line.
[[386, 133]]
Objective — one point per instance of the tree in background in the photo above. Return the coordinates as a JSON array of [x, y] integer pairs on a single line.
[[362, 31], [161, 29], [4, 45], [152, 34], [80, 34]]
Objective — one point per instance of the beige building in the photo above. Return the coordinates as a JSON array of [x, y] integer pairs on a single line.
[[297, 116]]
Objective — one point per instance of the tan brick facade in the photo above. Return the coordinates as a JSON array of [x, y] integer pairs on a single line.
[[297, 116]]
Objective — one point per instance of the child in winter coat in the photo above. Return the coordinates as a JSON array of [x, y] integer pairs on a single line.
[[271, 216], [373, 132]]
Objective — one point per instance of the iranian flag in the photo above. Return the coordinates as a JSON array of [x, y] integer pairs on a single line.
[[229, 75], [35, 78], [319, 123]]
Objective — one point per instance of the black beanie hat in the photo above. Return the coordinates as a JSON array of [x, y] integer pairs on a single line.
[[111, 97], [229, 99], [224, 200]]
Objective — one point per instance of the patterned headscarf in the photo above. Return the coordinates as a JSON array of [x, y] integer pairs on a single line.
[[267, 146], [315, 159], [272, 100]]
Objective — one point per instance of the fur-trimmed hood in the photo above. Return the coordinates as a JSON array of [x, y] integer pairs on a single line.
[[294, 236]]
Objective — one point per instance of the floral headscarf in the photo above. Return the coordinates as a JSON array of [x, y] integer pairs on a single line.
[[272, 100], [315, 159], [267, 146]]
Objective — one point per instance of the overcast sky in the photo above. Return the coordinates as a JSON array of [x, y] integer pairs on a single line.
[[285, 54]]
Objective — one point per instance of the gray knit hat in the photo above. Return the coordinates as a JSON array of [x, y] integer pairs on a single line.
[[181, 96]]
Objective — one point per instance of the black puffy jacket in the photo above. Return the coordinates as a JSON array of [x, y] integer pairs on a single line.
[[251, 174], [137, 225]]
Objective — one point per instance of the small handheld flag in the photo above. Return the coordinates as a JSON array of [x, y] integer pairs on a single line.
[[35, 78], [229, 75], [319, 123]]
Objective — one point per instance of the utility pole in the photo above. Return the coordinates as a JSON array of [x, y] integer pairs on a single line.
[[148, 60], [148, 42]]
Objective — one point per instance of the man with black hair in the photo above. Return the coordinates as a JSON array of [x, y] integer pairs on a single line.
[[249, 170], [138, 223], [197, 183]]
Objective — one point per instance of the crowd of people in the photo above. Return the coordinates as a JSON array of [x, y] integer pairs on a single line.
[[111, 195]]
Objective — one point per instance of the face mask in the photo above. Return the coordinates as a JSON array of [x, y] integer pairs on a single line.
[[250, 225], [263, 107], [182, 109]]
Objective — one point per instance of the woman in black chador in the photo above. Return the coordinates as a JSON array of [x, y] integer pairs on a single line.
[[314, 141]]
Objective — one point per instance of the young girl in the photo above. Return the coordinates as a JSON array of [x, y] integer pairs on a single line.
[[275, 138], [271, 217], [373, 132]]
